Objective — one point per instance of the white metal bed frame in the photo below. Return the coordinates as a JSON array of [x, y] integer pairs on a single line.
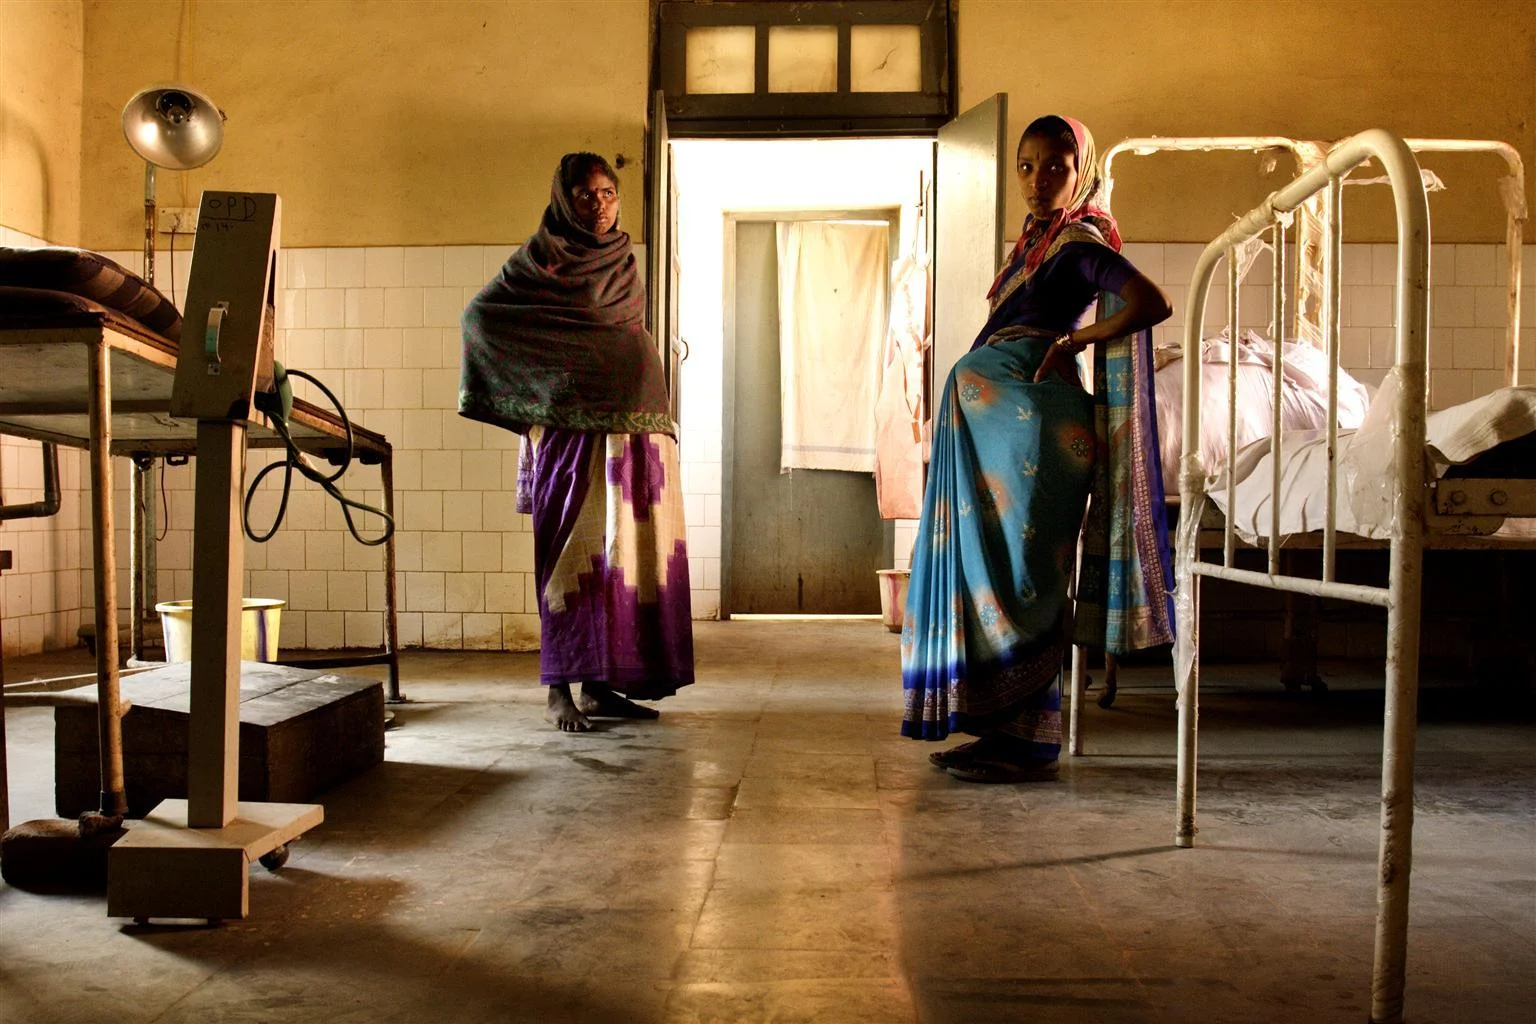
[[1412, 512], [1306, 155]]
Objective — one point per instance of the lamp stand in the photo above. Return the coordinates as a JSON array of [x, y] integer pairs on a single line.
[[149, 223]]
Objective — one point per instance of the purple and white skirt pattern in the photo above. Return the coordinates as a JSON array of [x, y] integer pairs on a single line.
[[610, 559]]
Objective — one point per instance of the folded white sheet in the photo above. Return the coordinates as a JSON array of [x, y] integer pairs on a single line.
[[1452, 436]]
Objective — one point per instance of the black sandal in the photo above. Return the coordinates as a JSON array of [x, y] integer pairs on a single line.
[[954, 756], [1002, 772]]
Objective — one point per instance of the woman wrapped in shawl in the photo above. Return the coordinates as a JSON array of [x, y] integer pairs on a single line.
[[1018, 446], [555, 349]]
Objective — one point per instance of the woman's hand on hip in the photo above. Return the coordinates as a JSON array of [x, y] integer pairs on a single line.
[[1061, 357]]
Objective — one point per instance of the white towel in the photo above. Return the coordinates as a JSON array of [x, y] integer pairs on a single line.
[[832, 309]]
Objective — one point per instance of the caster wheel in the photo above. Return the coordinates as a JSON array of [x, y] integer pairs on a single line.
[[276, 858], [142, 922]]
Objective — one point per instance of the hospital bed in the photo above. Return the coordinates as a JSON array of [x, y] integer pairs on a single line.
[[1312, 269], [1406, 479]]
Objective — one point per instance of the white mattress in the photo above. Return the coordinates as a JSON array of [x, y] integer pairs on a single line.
[[1452, 436]]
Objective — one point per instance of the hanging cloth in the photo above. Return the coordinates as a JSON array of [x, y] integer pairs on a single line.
[[899, 405], [832, 306]]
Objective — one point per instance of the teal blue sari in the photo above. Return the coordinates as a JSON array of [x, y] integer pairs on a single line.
[[1011, 468], [988, 619]]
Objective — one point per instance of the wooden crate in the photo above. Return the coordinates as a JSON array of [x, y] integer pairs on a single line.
[[301, 732]]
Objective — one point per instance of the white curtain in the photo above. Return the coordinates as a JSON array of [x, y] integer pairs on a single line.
[[833, 278]]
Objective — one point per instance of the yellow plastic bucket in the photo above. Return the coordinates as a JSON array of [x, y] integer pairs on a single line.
[[260, 620], [893, 596]]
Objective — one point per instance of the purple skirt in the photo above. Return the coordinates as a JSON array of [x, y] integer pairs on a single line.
[[610, 559]]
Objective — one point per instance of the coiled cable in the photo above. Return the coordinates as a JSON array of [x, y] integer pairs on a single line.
[[276, 405]]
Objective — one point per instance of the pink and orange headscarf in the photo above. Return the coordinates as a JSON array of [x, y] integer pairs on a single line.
[[1038, 238]]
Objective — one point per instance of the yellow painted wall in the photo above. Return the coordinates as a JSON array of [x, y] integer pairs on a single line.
[[40, 93], [378, 122], [1307, 69], [439, 122]]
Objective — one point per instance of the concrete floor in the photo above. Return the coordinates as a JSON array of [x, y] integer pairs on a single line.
[[771, 850]]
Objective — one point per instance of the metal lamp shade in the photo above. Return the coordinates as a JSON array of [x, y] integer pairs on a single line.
[[174, 127]]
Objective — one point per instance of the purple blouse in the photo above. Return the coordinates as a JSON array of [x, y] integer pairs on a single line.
[[1059, 293]]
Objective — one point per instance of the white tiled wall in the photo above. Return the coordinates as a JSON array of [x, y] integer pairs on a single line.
[[1467, 310], [380, 327]]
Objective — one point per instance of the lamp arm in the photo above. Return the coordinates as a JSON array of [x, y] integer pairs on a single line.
[[149, 223]]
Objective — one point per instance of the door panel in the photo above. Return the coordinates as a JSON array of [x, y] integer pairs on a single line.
[[807, 542], [971, 175], [661, 279]]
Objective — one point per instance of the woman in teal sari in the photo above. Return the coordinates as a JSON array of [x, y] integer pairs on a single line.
[[1018, 446]]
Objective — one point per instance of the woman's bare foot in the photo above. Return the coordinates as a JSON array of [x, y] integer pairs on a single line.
[[563, 712], [599, 700]]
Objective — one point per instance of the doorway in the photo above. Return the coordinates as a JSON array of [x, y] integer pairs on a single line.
[[805, 534], [703, 181], [751, 185]]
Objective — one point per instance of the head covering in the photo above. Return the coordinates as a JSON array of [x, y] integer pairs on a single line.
[[1040, 238], [558, 337]]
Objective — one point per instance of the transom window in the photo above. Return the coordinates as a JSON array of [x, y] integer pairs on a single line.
[[862, 67]]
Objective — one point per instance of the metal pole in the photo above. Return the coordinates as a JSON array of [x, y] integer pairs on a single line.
[[1296, 584], [1407, 539], [1079, 674], [1187, 586], [1277, 395], [151, 540], [149, 222], [1333, 295], [1188, 686], [1229, 540], [109, 711], [136, 549], [1148, 145], [391, 617], [1395, 858]]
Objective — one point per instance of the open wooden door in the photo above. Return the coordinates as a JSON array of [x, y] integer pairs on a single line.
[[661, 238], [971, 165]]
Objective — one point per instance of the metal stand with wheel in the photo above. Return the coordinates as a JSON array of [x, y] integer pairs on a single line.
[[190, 858]]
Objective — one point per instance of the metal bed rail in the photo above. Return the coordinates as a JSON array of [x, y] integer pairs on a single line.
[[1401, 597]]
